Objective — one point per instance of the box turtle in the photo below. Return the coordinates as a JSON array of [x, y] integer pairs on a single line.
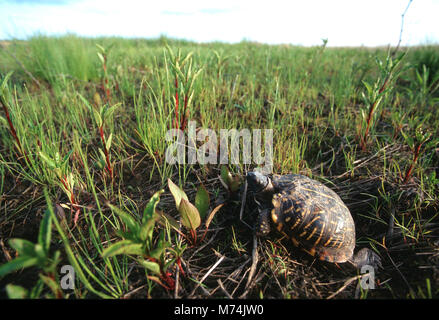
[[310, 214]]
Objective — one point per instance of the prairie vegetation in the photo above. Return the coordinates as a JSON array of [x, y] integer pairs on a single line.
[[84, 181]]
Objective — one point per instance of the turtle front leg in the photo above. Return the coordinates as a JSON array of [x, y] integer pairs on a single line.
[[263, 223]]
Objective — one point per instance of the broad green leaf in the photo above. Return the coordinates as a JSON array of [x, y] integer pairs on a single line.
[[190, 217], [151, 266], [177, 193], [23, 247], [16, 292], [16, 264], [149, 211], [123, 247], [45, 234], [126, 235], [202, 201], [149, 217]]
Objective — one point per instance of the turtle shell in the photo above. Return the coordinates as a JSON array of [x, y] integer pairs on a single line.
[[313, 216]]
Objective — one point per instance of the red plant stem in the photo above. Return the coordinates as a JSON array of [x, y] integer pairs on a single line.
[[107, 90], [204, 235], [176, 121], [72, 200], [369, 116], [107, 157], [194, 237], [72, 196], [165, 276], [412, 165], [184, 118], [178, 261], [169, 281]]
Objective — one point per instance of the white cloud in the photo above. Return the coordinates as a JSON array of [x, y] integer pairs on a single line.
[[343, 22]]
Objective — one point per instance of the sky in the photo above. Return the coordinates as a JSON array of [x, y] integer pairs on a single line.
[[305, 22]]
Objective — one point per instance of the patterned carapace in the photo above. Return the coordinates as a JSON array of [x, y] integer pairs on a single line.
[[306, 211]]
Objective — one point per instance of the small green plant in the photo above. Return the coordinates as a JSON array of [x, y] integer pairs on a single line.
[[184, 79], [100, 116], [415, 143], [138, 241], [231, 182], [35, 255], [376, 93], [66, 179], [191, 215], [397, 119], [426, 86]]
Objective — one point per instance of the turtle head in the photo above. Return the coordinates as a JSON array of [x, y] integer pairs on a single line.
[[257, 182]]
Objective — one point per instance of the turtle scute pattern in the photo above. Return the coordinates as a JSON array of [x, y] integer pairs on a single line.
[[313, 217]]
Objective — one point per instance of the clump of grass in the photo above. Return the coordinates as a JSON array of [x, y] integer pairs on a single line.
[[100, 116], [416, 145], [184, 78], [427, 58], [377, 93], [4, 93]]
